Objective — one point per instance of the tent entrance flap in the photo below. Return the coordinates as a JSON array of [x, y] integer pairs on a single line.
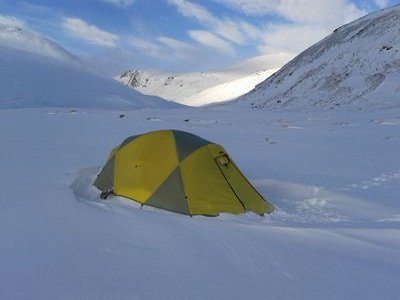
[[246, 193]]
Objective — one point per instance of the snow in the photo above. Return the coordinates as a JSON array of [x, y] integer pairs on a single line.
[[202, 88], [359, 62], [31, 80], [332, 175], [19, 38], [228, 90], [36, 72]]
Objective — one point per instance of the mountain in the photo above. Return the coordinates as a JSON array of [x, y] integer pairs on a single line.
[[171, 86], [196, 88], [358, 64], [19, 38], [36, 72], [228, 90], [201, 88]]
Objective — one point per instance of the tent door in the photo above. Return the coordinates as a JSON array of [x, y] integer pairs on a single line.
[[243, 189], [230, 173]]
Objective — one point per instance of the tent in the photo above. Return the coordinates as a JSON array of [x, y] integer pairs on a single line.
[[181, 172]]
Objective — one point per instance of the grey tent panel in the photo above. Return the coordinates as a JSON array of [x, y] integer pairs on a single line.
[[128, 140], [105, 179], [186, 143], [170, 195]]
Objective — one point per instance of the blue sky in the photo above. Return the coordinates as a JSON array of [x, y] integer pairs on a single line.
[[184, 35]]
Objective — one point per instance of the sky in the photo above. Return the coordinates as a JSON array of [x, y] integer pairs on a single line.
[[184, 35]]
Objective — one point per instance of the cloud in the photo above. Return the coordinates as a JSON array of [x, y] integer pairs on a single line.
[[302, 11], [120, 3], [174, 44], [161, 47], [11, 21], [90, 33], [111, 61], [35, 8], [234, 31], [303, 23], [382, 3], [146, 47], [193, 10], [211, 40], [288, 38]]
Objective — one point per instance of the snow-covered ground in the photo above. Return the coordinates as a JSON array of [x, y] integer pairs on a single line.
[[333, 175]]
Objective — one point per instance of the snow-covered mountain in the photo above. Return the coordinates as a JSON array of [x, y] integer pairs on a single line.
[[172, 86], [200, 88], [22, 39], [36, 72], [196, 88], [359, 64]]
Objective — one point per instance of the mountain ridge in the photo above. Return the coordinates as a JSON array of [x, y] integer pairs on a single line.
[[195, 88], [359, 62], [37, 72]]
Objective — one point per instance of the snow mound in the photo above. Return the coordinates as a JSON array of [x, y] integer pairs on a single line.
[[358, 64]]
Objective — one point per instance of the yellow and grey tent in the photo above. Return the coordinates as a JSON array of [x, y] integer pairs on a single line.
[[180, 172]]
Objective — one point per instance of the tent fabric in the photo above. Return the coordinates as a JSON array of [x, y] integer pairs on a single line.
[[181, 172]]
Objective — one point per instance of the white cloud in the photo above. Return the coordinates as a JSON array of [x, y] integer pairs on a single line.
[[193, 10], [11, 21], [174, 44], [181, 50], [146, 47], [90, 33], [307, 21], [165, 49], [230, 31], [211, 40], [288, 38], [120, 3], [382, 3], [235, 31], [309, 11]]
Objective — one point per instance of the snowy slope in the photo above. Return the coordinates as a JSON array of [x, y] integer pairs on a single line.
[[359, 63], [194, 89], [175, 86], [55, 78], [22, 39], [200, 88], [228, 90], [334, 235]]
